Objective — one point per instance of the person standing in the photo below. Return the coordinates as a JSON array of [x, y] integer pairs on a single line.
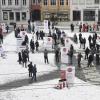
[[87, 51], [84, 42], [30, 69], [72, 27], [7, 28], [79, 59], [19, 57], [46, 56], [37, 45], [24, 58], [32, 46], [90, 60], [34, 73]]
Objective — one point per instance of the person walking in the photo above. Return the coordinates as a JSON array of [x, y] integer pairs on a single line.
[[37, 45], [32, 46], [46, 56], [19, 57], [79, 59], [87, 51], [34, 71], [30, 69], [90, 60], [24, 58]]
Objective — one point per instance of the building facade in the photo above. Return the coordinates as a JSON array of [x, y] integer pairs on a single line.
[[50, 9], [85, 10], [14, 11]]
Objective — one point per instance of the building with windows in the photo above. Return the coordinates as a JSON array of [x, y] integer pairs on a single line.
[[50, 9], [14, 11], [85, 10]]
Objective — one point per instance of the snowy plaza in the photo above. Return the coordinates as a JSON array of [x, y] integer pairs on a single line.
[[15, 83]]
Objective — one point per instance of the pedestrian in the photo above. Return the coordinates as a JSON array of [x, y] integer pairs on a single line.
[[80, 27], [34, 73], [46, 56], [26, 39], [30, 69], [36, 45], [32, 46], [37, 35], [1, 38], [24, 58], [75, 38], [72, 27], [84, 42], [7, 28], [79, 59], [19, 57], [87, 51], [57, 54], [90, 60]]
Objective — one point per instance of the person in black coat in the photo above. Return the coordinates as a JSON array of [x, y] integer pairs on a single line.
[[1, 37], [79, 59], [37, 35], [37, 45], [57, 53], [46, 56], [72, 27], [90, 60], [26, 39], [87, 51], [24, 58], [34, 72], [7, 28], [19, 57], [30, 69], [84, 42], [89, 38], [32, 46]]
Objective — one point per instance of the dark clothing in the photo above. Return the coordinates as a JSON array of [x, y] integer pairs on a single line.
[[24, 58], [37, 45], [32, 46], [30, 69], [46, 56], [90, 60], [34, 73], [19, 57], [87, 51], [79, 59]]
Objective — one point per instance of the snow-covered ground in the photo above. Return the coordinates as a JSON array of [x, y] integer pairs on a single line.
[[11, 71]]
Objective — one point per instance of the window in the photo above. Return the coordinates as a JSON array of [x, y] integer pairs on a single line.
[[11, 16], [9, 2], [17, 16], [53, 2], [3, 2], [23, 15], [76, 15], [5, 15], [45, 2], [16, 2], [61, 2], [89, 15], [96, 1], [24, 2]]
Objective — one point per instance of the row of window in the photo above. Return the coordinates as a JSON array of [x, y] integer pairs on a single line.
[[87, 15], [14, 16], [10, 2], [83, 2]]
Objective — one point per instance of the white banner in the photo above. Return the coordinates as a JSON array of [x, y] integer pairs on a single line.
[[48, 42], [64, 55], [70, 75]]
